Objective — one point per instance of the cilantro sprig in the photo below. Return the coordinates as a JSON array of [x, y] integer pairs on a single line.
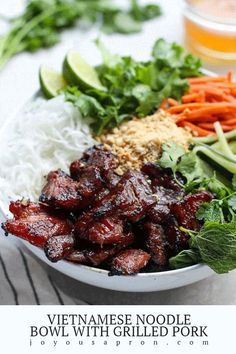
[[134, 88]]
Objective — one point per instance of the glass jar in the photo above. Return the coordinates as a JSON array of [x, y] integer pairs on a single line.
[[210, 29]]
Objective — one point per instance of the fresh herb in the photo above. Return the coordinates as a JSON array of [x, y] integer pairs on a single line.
[[214, 245], [184, 259], [211, 211], [187, 164], [42, 21], [136, 88], [234, 182]]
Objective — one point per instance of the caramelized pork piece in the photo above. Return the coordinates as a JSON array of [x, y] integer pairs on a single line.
[[161, 177], [101, 158], [130, 199], [59, 247], [36, 223], [61, 191], [98, 256], [129, 261], [159, 213], [106, 231], [166, 190], [176, 240], [185, 211], [78, 256], [95, 255], [96, 156], [156, 241]]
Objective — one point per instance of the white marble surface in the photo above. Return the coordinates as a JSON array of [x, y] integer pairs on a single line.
[[19, 81]]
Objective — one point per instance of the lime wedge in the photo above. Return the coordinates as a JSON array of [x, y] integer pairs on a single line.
[[78, 72], [51, 81]]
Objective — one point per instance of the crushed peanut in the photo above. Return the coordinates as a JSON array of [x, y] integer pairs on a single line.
[[139, 140]]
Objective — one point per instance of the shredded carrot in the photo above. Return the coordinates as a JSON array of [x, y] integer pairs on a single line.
[[196, 129], [230, 76], [204, 79], [163, 104], [209, 99], [230, 121], [172, 102], [190, 106]]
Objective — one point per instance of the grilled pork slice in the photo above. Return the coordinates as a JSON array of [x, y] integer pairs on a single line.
[[156, 242], [129, 261], [36, 223], [59, 247], [96, 156], [105, 231], [61, 191], [96, 255], [185, 211], [131, 198], [161, 177]]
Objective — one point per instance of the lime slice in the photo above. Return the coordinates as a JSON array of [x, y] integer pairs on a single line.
[[77, 72], [51, 81]]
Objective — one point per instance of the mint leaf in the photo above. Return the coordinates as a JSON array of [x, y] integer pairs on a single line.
[[216, 244], [184, 259], [171, 152]]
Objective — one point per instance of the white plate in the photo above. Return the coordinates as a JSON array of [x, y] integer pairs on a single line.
[[143, 282]]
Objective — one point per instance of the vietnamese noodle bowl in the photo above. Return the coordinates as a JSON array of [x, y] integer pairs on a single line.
[[45, 136]]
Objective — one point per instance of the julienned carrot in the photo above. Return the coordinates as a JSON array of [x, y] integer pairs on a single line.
[[190, 106], [203, 79], [212, 91], [230, 76], [208, 100], [199, 131], [172, 102], [163, 104], [230, 121], [197, 97], [200, 113], [210, 126]]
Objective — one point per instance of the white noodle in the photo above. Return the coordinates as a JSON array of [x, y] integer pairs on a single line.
[[45, 136]]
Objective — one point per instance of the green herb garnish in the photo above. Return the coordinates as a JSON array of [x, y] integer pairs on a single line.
[[135, 88]]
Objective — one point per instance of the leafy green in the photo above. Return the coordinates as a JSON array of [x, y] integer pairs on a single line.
[[174, 57], [171, 153], [234, 182], [232, 202], [190, 167], [214, 245], [211, 211], [42, 21], [184, 259], [132, 87]]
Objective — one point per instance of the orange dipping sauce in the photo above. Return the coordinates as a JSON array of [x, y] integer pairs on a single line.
[[210, 29]]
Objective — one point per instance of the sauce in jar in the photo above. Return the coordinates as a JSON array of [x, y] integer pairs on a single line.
[[210, 29]]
